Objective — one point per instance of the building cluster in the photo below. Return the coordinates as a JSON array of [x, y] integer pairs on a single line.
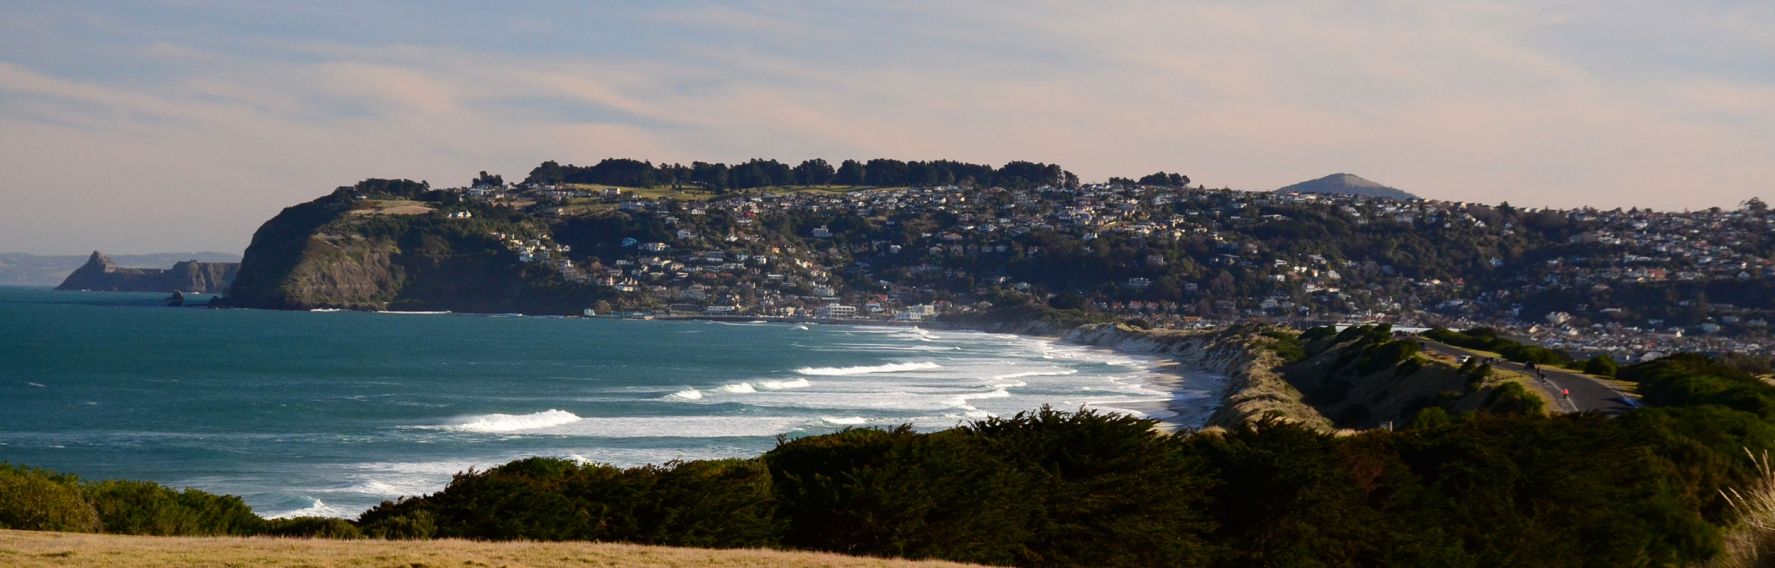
[[1183, 257]]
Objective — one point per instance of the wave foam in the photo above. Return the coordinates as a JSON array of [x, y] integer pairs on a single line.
[[780, 385], [317, 509], [1042, 373], [497, 423], [848, 421], [867, 369], [686, 394], [741, 388]]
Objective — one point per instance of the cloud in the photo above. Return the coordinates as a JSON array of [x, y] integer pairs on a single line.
[[116, 125]]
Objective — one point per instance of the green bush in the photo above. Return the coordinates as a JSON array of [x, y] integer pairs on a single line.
[[901, 493], [312, 527], [1108, 491], [1511, 399], [1693, 380], [37, 500], [146, 508], [1601, 365]]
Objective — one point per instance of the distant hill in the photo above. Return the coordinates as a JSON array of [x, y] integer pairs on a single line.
[[102, 273], [22, 269], [1348, 184]]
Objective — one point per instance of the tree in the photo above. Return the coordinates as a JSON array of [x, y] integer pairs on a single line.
[[711, 176], [1165, 179], [814, 172], [885, 172], [850, 172], [485, 180]]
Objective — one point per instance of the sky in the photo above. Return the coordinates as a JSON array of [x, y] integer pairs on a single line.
[[138, 127]]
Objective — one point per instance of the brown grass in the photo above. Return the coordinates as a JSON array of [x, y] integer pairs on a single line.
[[30, 549], [392, 207], [1751, 540]]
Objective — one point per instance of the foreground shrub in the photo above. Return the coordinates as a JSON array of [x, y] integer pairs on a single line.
[[146, 508], [36, 500], [723, 503], [901, 493], [1105, 489], [312, 527]]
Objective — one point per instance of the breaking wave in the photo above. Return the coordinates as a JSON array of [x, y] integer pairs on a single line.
[[869, 369], [780, 385], [497, 423]]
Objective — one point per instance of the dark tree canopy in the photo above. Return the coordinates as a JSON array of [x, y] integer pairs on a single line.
[[760, 172]]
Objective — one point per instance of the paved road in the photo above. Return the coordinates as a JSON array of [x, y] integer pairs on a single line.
[[1587, 394]]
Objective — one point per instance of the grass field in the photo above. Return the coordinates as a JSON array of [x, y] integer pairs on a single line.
[[31, 549], [693, 194]]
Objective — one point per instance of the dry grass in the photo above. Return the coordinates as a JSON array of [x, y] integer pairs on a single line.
[[1751, 541], [30, 549], [392, 207]]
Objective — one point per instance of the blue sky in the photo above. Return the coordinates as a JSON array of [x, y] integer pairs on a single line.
[[181, 125]]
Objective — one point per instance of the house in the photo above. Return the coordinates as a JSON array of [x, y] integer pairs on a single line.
[[835, 311]]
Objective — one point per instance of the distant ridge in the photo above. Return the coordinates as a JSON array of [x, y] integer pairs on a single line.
[[1348, 184], [22, 269]]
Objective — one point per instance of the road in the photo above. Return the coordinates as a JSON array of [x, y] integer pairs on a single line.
[[1587, 394]]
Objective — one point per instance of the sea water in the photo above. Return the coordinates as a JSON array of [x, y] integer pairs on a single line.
[[329, 413]]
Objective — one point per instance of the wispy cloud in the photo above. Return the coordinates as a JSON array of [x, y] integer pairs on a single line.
[[116, 121]]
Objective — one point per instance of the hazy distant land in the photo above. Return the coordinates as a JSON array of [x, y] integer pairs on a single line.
[[25, 269]]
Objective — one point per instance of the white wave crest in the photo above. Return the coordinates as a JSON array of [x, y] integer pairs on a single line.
[[780, 385], [961, 401], [317, 509], [741, 388], [687, 394], [497, 423], [847, 421], [1041, 373], [868, 369]]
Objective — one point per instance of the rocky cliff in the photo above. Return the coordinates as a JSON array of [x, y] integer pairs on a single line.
[[102, 273], [364, 248]]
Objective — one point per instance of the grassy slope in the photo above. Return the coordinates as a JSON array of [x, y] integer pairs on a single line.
[[29, 549]]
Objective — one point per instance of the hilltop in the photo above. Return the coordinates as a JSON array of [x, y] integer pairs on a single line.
[[1625, 283], [1347, 184]]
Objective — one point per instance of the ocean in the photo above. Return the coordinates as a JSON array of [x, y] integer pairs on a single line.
[[329, 413]]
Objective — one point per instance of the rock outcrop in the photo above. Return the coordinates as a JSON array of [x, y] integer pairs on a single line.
[[103, 274]]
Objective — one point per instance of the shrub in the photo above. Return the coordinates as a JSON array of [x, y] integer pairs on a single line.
[[900, 493], [312, 527], [36, 500], [1601, 365], [146, 508], [389, 521]]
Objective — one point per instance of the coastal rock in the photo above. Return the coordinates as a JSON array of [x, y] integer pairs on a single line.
[[101, 273]]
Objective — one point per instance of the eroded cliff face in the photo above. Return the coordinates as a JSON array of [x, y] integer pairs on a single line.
[[101, 273], [328, 253]]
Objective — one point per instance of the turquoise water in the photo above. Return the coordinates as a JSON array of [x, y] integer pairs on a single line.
[[330, 413]]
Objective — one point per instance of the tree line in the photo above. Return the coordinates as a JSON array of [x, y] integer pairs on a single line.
[[756, 173]]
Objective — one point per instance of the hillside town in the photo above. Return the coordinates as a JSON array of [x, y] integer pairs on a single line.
[[1630, 283]]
